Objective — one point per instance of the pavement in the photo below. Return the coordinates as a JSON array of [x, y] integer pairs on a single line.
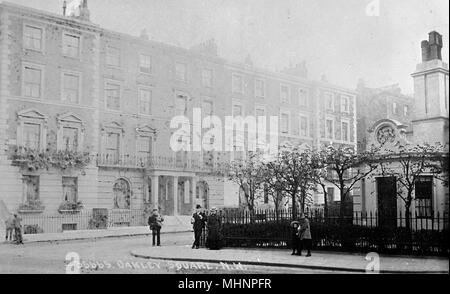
[[172, 224], [112, 256], [96, 234], [329, 261]]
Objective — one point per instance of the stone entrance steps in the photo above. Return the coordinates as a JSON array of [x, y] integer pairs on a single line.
[[178, 222]]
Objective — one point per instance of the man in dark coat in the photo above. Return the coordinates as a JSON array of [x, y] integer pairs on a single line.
[[214, 226], [17, 229], [155, 223], [198, 221]]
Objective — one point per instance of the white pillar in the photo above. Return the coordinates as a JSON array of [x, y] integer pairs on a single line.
[[145, 187], [155, 191], [194, 188], [175, 195], [187, 196]]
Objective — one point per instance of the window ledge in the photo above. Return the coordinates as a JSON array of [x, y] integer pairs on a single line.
[[23, 211], [116, 67], [69, 211], [149, 74], [74, 58], [34, 50]]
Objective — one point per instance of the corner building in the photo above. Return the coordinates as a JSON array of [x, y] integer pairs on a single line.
[[68, 84]]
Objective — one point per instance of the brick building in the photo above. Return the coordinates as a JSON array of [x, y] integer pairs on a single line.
[[375, 104], [68, 84]]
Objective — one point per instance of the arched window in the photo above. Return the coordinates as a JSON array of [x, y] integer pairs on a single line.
[[122, 194]]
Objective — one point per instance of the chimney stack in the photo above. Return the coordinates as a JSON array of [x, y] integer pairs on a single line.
[[84, 11], [432, 48], [64, 7]]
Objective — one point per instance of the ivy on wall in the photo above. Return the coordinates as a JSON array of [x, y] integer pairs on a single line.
[[32, 205], [35, 160]]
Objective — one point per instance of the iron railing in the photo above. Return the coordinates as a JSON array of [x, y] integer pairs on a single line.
[[82, 220], [362, 232], [157, 162]]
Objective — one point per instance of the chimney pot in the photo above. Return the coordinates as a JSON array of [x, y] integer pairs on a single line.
[[434, 46], [425, 51]]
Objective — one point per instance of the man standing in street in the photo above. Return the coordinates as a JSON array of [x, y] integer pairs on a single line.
[[304, 233], [155, 223], [214, 226], [198, 222], [17, 229]]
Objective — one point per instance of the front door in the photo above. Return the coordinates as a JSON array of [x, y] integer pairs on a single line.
[[387, 202], [201, 194]]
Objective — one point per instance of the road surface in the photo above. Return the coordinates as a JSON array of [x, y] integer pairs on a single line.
[[112, 256]]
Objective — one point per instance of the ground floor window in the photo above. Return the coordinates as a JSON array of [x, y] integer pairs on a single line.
[[70, 189], [31, 188], [424, 196]]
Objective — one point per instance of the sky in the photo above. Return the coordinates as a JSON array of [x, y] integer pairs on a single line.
[[341, 39]]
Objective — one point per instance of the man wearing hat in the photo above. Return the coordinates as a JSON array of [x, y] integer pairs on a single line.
[[198, 221], [155, 223], [17, 229]]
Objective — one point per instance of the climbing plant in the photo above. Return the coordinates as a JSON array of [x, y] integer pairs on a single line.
[[34, 159]]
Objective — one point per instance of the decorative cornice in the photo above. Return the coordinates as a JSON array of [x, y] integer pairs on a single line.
[[31, 113], [25, 11], [83, 25], [430, 71]]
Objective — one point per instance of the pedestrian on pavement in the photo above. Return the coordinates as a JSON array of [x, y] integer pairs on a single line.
[[214, 226], [304, 233], [198, 222], [9, 228], [17, 229], [155, 222], [295, 238]]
